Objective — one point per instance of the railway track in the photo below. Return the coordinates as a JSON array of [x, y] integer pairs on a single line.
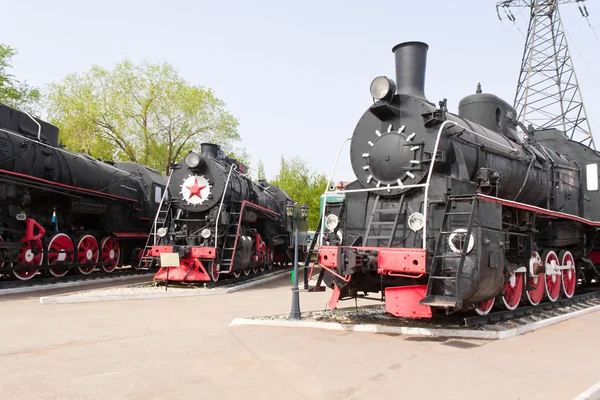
[[543, 310], [225, 281]]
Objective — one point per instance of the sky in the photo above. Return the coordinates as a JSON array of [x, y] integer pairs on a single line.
[[295, 74]]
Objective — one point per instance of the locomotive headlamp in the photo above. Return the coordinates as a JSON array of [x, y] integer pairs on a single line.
[[416, 221], [383, 88], [205, 233], [161, 232], [192, 160], [332, 221], [457, 240]]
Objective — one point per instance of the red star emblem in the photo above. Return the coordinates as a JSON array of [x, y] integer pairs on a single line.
[[195, 189]]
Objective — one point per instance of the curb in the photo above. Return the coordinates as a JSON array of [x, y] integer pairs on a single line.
[[4, 292], [592, 393], [405, 330], [62, 299]]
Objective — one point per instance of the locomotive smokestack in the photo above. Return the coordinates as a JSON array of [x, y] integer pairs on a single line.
[[411, 62], [209, 150]]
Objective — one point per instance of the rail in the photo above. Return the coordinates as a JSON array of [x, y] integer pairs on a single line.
[[221, 205]]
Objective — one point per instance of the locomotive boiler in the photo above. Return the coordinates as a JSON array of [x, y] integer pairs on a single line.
[[61, 210], [458, 211], [218, 221]]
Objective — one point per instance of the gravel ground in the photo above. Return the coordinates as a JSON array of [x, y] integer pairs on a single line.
[[159, 287], [377, 315], [136, 289]]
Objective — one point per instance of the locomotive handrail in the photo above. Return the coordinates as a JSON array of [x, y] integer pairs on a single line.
[[327, 187], [37, 123], [221, 205], [57, 148]]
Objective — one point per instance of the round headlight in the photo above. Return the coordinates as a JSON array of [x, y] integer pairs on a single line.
[[205, 233], [416, 221], [332, 221], [457, 240], [161, 232], [382, 88], [192, 160]]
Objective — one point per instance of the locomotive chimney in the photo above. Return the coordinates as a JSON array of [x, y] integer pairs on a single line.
[[209, 150], [411, 62]]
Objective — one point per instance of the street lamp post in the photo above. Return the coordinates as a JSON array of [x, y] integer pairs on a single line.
[[292, 212]]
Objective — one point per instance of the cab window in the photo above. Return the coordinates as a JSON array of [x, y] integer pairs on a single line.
[[591, 175]]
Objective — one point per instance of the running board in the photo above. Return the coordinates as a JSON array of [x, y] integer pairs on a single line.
[[441, 301]]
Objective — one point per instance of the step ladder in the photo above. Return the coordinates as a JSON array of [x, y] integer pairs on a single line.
[[379, 212], [161, 219], [231, 233], [442, 252]]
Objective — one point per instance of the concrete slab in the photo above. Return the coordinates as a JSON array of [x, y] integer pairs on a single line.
[[64, 285], [184, 348], [479, 333]]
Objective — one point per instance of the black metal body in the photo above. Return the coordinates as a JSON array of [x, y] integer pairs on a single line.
[[480, 151], [69, 192]]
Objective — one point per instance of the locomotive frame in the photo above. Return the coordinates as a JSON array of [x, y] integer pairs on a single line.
[[455, 212]]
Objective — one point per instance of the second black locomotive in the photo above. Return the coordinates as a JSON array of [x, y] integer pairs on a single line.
[[219, 221]]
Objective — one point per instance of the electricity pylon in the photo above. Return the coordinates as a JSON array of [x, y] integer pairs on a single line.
[[548, 94]]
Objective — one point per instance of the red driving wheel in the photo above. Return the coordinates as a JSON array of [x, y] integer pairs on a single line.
[[87, 253]]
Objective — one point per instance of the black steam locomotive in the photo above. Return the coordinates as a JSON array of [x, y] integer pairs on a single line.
[[218, 221], [452, 212], [61, 210]]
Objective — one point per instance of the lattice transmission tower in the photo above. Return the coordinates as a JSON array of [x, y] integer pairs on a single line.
[[548, 94]]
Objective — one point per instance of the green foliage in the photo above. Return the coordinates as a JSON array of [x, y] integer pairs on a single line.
[[303, 185], [260, 173], [13, 92], [144, 113]]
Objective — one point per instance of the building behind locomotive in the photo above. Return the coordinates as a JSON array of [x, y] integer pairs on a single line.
[[409, 156], [222, 221]]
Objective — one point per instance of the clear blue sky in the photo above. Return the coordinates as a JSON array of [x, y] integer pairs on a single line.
[[296, 74]]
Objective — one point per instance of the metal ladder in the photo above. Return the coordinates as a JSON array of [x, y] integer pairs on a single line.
[[164, 208], [393, 224], [228, 249], [441, 254]]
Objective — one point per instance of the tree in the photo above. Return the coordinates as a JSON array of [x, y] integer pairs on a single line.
[[144, 113], [260, 173], [13, 92], [303, 185]]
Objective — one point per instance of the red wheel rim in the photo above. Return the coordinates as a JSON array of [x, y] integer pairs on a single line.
[[87, 252], [552, 281], [512, 291], [214, 272], [110, 254], [1, 262], [569, 276], [60, 250], [537, 283], [30, 255], [484, 307]]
